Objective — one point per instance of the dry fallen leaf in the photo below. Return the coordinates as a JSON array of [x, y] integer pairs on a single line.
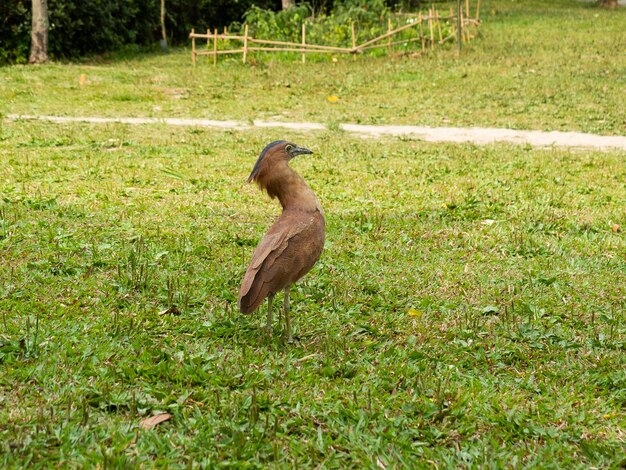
[[332, 99], [173, 310], [151, 422], [615, 228]]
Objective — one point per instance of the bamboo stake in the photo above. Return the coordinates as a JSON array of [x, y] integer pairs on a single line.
[[439, 26], [422, 32], [224, 35], [215, 47], [451, 19], [298, 48], [208, 39], [478, 10], [193, 47], [430, 26], [303, 42], [394, 43], [386, 35], [245, 43], [448, 38], [353, 43], [220, 36], [224, 51], [462, 23], [388, 31], [459, 27], [467, 10], [297, 45]]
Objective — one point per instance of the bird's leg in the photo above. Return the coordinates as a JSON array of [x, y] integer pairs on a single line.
[[287, 318], [268, 327]]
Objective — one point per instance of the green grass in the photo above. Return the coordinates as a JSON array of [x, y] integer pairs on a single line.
[[551, 65], [468, 310]]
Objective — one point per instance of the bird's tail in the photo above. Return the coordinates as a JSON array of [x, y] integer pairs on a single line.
[[251, 295], [245, 307]]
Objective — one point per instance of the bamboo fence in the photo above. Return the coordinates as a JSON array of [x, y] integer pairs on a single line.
[[463, 27]]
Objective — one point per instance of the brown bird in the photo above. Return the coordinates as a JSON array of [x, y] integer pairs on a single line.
[[294, 243]]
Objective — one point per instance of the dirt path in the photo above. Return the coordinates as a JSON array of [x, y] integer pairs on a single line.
[[476, 135]]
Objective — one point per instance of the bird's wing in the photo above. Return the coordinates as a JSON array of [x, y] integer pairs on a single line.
[[269, 249], [272, 243]]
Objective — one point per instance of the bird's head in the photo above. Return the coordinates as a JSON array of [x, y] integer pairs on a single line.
[[273, 157]]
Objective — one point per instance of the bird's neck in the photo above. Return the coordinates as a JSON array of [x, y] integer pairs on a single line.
[[292, 191]]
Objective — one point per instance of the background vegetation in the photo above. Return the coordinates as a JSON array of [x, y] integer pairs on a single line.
[[79, 28], [335, 28], [468, 310]]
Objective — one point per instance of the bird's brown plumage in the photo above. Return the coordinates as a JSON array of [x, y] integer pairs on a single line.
[[294, 243]]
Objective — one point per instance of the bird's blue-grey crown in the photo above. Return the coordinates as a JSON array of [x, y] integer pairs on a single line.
[[293, 152]]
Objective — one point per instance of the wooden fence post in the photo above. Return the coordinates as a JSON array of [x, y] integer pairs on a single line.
[[388, 31], [459, 27], [193, 47], [245, 42], [422, 37], [464, 30], [215, 46], [208, 43], [430, 26], [303, 42], [439, 27], [353, 43]]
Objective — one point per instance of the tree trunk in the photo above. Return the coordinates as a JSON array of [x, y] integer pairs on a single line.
[[288, 4], [612, 4], [163, 33], [39, 32]]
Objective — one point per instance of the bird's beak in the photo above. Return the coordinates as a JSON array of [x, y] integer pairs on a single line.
[[300, 151]]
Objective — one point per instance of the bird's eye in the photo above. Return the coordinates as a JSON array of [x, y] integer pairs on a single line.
[[289, 148]]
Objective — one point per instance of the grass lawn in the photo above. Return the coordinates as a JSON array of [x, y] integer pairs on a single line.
[[540, 64], [468, 310]]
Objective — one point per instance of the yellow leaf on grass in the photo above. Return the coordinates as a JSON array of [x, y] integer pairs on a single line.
[[152, 421], [414, 313], [332, 99]]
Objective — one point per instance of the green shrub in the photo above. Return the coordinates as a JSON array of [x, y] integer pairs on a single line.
[[333, 29], [14, 31], [282, 26]]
